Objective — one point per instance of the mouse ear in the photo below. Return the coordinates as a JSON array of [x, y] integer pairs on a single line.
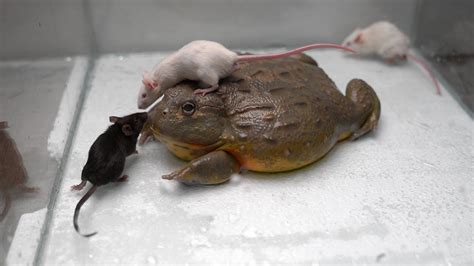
[[3, 124], [114, 119], [358, 38], [127, 130], [149, 83]]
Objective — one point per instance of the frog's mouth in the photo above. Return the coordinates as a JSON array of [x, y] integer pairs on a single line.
[[184, 150]]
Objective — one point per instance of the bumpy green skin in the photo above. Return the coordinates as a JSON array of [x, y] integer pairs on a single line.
[[269, 116]]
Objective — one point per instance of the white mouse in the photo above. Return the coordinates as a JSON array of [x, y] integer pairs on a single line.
[[384, 39], [203, 61]]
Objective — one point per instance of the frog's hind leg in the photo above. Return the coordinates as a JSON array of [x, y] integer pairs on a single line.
[[211, 169], [367, 106]]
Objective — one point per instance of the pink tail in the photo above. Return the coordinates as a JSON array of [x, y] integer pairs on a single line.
[[294, 51], [427, 69]]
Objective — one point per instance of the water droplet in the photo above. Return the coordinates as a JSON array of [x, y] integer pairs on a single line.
[[68, 59], [120, 58]]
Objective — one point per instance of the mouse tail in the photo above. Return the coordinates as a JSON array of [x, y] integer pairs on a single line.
[[78, 208], [291, 52], [7, 205], [424, 66]]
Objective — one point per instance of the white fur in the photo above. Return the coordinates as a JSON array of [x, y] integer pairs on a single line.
[[381, 38], [387, 41], [150, 97], [203, 61]]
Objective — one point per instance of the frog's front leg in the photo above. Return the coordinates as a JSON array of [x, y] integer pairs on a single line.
[[146, 133], [211, 169]]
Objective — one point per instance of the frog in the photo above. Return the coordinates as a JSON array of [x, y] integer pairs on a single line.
[[268, 116]]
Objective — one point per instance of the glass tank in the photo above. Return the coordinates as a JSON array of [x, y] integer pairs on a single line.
[[293, 161]]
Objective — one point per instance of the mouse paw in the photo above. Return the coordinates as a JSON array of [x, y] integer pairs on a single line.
[[79, 186], [203, 92], [123, 178], [29, 189]]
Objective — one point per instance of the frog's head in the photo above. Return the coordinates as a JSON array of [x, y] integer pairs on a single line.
[[184, 119]]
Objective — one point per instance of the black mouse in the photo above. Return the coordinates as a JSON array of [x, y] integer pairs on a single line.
[[107, 155]]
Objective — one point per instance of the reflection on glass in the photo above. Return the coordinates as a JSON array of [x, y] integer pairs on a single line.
[[12, 172]]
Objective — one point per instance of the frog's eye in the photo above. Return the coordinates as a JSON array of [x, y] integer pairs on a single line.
[[188, 108]]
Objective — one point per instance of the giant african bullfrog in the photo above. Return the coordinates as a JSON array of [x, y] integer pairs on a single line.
[[269, 116]]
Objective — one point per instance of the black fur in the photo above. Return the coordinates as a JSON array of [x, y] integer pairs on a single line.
[[107, 154]]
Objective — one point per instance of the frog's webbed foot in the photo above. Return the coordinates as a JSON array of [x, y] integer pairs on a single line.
[[367, 102], [211, 169]]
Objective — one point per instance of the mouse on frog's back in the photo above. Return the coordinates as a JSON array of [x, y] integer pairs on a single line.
[[203, 61]]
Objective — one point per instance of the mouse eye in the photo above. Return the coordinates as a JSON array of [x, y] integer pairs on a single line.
[[143, 95], [188, 108]]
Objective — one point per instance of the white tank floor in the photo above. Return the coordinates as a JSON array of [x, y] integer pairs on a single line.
[[402, 194]]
